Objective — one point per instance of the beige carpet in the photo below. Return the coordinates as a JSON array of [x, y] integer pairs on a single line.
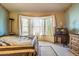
[[57, 48], [47, 51]]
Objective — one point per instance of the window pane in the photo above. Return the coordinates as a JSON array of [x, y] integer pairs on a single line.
[[38, 26], [25, 29]]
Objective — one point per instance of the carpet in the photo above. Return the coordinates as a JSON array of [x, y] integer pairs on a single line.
[[47, 51]]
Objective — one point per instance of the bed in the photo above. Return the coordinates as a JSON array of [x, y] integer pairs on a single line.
[[15, 45]]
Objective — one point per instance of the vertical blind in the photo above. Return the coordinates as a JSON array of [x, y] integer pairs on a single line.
[[36, 25]]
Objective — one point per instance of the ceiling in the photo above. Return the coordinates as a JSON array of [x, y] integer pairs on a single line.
[[36, 7]]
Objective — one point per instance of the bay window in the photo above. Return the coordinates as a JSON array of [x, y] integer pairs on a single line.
[[36, 25]]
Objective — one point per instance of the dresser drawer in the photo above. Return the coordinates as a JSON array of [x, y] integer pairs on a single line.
[[75, 47], [75, 39], [75, 52], [75, 43]]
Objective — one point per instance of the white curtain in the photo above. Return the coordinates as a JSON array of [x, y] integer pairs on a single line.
[[49, 25], [24, 25]]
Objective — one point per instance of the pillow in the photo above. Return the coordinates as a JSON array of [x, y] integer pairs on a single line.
[[30, 36]]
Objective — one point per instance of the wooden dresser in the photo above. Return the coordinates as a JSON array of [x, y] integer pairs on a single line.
[[74, 44]]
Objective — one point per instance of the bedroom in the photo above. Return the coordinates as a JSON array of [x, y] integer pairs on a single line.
[[21, 24]]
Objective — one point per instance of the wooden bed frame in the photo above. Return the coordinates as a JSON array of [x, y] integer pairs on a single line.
[[17, 51], [28, 50]]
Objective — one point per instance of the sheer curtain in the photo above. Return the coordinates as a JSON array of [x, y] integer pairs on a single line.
[[24, 26], [50, 25]]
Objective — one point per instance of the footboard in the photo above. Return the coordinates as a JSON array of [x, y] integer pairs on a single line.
[[17, 51]]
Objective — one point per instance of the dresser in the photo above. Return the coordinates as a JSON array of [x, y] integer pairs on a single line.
[[74, 44]]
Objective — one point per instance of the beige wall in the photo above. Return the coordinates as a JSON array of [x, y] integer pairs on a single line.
[[15, 22], [59, 17], [15, 15]]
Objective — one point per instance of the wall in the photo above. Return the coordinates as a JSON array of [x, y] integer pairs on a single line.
[[15, 15], [72, 18], [15, 26], [3, 21]]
